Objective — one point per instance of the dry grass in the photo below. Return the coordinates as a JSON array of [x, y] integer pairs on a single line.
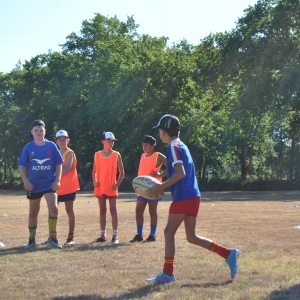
[[260, 224]]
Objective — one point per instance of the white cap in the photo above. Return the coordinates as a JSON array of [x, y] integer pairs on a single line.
[[61, 133], [108, 136]]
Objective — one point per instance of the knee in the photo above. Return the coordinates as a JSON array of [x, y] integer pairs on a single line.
[[103, 211], [139, 211], [191, 238], [113, 211], [152, 213], [53, 211], [168, 234]]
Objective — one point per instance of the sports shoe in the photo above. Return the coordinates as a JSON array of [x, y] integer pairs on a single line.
[[31, 244], [115, 240], [69, 242], [53, 243], [150, 238], [101, 239], [162, 277], [232, 261], [137, 238]]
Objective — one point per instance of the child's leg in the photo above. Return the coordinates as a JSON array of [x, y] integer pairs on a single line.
[[174, 222], [113, 212], [71, 216], [153, 216], [51, 199], [190, 225], [139, 213], [34, 208], [103, 210]]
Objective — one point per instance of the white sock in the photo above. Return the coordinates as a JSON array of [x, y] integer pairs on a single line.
[[115, 233], [103, 233]]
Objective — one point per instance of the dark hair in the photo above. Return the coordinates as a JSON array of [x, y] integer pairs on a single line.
[[171, 132], [37, 123]]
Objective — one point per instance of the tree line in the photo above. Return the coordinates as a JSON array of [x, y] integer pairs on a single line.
[[236, 94]]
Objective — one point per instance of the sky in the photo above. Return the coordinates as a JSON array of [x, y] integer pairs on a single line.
[[32, 27]]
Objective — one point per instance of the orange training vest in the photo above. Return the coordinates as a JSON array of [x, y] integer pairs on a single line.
[[148, 164], [106, 173], [69, 182]]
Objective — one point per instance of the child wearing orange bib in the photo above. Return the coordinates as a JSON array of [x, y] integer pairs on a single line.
[[106, 185], [69, 183], [150, 165]]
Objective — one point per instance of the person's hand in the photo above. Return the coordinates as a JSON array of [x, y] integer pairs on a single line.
[[155, 175], [96, 183], [114, 187], [28, 186], [154, 191], [55, 186]]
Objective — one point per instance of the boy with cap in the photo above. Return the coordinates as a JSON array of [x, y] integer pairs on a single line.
[[40, 169], [106, 185], [150, 165], [69, 183], [186, 200]]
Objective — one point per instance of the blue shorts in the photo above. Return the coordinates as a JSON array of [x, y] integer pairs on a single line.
[[66, 197], [140, 198]]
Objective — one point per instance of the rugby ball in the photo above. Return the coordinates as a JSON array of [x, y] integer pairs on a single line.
[[142, 183]]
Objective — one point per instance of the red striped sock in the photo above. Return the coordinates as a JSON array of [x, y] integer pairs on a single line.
[[222, 251], [169, 266]]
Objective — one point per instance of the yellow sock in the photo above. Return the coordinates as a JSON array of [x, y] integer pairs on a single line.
[[32, 231], [52, 222]]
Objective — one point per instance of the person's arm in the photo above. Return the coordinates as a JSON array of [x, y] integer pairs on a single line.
[[23, 172], [95, 182], [158, 188], [69, 163], [121, 173], [56, 184], [161, 160]]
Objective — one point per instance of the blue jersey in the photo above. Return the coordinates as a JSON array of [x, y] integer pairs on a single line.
[[40, 162], [187, 187]]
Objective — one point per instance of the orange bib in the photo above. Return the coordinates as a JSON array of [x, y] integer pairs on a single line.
[[69, 182], [106, 173], [148, 164]]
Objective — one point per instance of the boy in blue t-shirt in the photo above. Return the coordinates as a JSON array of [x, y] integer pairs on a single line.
[[40, 168], [186, 200]]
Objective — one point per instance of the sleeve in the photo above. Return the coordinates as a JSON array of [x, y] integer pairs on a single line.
[[23, 160], [175, 154]]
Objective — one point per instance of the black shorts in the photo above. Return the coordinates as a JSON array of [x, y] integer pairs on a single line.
[[66, 197], [35, 196]]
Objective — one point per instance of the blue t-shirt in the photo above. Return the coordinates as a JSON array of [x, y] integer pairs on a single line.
[[187, 187], [40, 162]]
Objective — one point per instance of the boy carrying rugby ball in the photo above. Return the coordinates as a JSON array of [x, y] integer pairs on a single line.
[[186, 200]]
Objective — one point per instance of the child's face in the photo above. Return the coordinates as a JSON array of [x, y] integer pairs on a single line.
[[62, 142], [147, 148], [38, 133], [108, 144]]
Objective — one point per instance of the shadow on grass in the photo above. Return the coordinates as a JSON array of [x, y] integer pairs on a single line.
[[138, 293], [207, 285], [82, 247], [291, 293]]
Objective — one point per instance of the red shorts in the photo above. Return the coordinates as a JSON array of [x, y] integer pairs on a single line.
[[187, 207], [103, 196]]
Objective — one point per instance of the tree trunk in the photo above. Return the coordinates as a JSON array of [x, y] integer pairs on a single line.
[[243, 159], [292, 148], [204, 171]]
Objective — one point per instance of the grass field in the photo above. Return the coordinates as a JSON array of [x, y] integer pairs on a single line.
[[260, 224]]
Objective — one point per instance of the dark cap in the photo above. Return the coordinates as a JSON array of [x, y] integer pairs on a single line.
[[108, 136], [149, 139], [38, 123], [168, 122]]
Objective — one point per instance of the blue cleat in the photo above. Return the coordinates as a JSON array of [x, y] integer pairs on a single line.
[[232, 261], [162, 277]]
